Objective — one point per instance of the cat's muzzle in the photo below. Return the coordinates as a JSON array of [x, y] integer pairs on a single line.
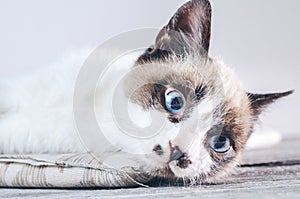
[[181, 158]]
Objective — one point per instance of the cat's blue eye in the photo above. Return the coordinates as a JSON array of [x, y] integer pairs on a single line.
[[174, 101], [219, 143]]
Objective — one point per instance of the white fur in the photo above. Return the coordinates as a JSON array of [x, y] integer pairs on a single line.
[[37, 115]]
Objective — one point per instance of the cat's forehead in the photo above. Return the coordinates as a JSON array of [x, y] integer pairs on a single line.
[[179, 73]]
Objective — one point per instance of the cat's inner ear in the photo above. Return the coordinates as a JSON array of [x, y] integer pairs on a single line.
[[188, 32], [259, 102]]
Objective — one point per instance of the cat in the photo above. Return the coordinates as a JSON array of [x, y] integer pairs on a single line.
[[207, 116]]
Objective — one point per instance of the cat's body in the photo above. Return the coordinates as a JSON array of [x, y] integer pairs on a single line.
[[207, 115], [36, 109], [37, 112]]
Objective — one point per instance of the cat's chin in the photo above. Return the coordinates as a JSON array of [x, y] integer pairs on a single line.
[[168, 176], [176, 174]]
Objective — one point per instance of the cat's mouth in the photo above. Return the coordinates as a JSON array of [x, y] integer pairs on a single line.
[[177, 160]]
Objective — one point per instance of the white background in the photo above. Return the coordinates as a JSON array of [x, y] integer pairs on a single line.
[[258, 38]]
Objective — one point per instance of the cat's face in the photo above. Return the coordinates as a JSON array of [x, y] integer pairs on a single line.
[[209, 119], [208, 115]]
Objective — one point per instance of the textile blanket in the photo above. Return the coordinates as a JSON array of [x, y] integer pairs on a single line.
[[65, 170]]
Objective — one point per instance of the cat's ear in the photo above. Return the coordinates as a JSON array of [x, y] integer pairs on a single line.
[[259, 102], [188, 32]]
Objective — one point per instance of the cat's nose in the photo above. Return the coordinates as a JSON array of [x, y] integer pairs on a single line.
[[181, 158], [176, 154]]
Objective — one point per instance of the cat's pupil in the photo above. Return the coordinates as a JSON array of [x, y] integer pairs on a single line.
[[221, 142], [176, 103]]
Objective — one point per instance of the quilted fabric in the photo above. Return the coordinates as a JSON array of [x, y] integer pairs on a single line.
[[67, 170]]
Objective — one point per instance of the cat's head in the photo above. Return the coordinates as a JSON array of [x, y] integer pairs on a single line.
[[209, 115]]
